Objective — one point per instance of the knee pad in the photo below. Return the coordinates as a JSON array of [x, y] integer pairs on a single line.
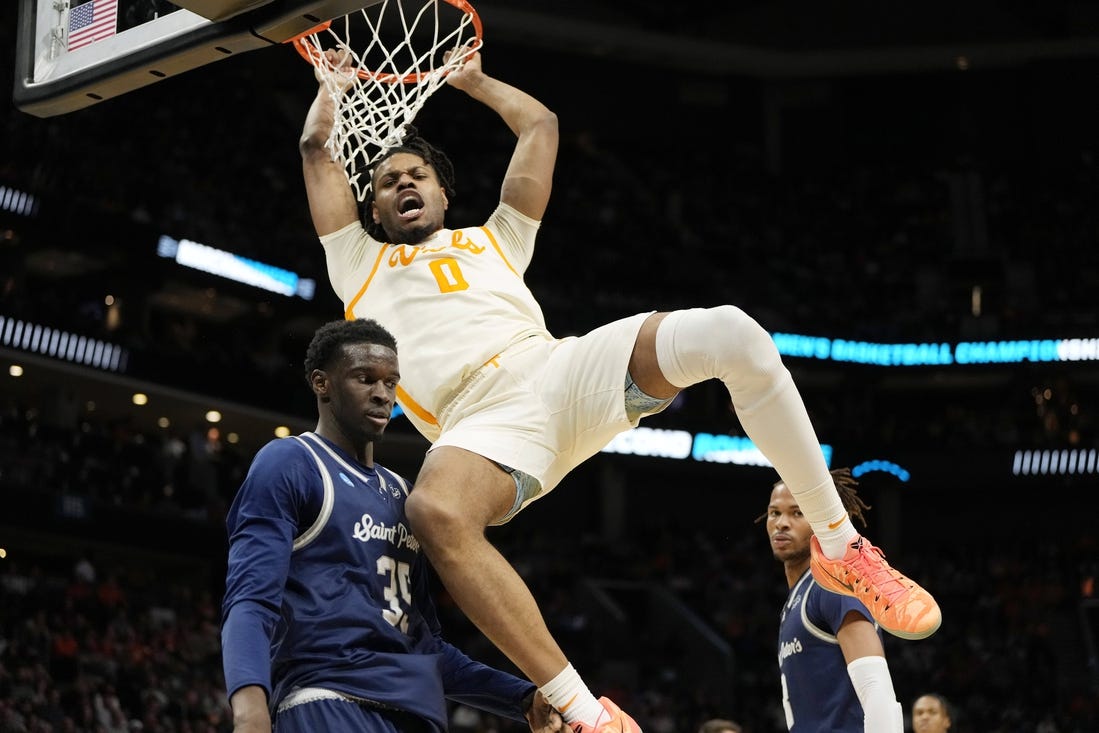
[[723, 343]]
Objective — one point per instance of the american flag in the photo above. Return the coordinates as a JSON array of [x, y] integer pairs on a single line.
[[92, 21]]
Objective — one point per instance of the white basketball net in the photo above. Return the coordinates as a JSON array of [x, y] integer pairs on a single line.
[[399, 68]]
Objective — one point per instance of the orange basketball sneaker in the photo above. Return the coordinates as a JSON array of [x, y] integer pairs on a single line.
[[612, 720], [897, 603]]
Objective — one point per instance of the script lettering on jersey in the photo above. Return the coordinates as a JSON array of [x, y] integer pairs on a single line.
[[403, 254], [367, 529], [789, 649]]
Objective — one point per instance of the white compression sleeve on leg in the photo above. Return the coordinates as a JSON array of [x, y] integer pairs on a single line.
[[881, 713], [727, 344]]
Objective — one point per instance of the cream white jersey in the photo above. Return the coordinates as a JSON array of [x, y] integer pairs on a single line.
[[453, 302]]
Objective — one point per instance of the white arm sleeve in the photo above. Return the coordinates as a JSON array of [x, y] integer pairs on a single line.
[[880, 709]]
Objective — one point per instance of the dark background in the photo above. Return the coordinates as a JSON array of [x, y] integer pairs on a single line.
[[849, 171]]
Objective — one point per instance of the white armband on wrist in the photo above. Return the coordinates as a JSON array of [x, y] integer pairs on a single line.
[[880, 709]]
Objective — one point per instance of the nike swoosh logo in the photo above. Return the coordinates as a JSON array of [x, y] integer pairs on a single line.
[[568, 705], [840, 583], [833, 525]]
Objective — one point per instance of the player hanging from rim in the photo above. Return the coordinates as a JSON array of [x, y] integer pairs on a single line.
[[510, 409]]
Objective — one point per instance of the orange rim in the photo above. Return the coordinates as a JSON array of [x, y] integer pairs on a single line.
[[309, 51]]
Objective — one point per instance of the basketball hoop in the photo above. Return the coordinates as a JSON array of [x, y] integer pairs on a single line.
[[398, 55]]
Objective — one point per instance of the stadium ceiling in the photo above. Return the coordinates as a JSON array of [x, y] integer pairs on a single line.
[[801, 38]]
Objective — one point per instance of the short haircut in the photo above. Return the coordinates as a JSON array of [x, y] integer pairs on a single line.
[[947, 707], [329, 340], [435, 159], [717, 725]]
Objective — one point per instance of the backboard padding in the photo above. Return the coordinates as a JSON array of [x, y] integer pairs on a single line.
[[51, 81]]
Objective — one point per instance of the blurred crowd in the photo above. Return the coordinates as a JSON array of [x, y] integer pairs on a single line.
[[935, 217], [109, 620], [954, 235], [861, 238], [98, 650], [866, 256], [113, 645]]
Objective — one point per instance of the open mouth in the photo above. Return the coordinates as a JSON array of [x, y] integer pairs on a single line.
[[409, 204]]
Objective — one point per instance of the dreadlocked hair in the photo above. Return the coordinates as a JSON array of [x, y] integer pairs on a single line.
[[416, 145], [847, 487]]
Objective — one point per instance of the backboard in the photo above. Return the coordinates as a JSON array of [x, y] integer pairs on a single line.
[[71, 54]]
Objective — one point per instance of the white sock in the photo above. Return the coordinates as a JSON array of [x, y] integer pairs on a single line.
[[568, 694], [725, 343], [836, 534]]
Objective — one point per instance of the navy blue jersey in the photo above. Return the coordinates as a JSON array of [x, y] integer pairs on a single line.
[[326, 587], [817, 693]]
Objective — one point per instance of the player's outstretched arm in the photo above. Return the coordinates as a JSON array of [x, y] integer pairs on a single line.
[[332, 203], [529, 176]]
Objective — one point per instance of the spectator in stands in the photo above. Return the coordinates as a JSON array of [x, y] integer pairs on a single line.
[[931, 714], [719, 725]]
